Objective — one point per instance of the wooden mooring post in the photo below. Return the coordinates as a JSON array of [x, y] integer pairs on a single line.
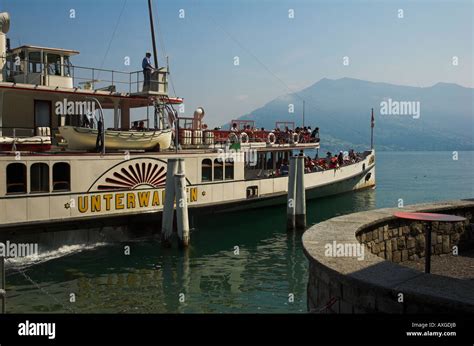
[[168, 207], [300, 208], [182, 219], [175, 190], [296, 203], [291, 203]]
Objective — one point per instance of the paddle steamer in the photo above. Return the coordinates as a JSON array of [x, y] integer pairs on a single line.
[[62, 165]]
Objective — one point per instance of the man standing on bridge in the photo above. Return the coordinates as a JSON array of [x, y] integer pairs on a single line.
[[147, 70]]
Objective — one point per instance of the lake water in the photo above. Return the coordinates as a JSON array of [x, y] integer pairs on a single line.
[[237, 262]]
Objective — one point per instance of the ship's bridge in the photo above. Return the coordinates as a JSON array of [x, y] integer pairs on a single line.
[[52, 67], [40, 66]]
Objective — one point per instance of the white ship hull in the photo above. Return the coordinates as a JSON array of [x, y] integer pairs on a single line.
[[108, 188]]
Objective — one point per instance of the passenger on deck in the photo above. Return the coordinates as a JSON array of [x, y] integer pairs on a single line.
[[309, 164], [134, 125], [279, 163], [315, 134], [141, 126], [248, 130], [270, 163], [340, 159], [328, 158], [334, 163], [351, 156], [234, 128], [284, 169]]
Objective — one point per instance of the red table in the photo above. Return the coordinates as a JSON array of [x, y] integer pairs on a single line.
[[429, 218]]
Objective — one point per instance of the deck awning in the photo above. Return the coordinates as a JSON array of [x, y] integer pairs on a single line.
[[65, 52]]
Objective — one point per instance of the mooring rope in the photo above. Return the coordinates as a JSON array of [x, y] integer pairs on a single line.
[[41, 289], [326, 306]]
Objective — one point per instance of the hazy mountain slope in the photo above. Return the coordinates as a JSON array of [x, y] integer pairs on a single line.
[[341, 108]]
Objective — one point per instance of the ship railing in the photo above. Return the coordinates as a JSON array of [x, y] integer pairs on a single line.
[[118, 81], [14, 135], [158, 82], [260, 136], [188, 134], [262, 170], [223, 136], [80, 77], [17, 132]]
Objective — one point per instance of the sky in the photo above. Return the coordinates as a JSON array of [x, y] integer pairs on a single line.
[[282, 46]]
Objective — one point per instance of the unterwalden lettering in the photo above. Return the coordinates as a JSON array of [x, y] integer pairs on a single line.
[[126, 200]]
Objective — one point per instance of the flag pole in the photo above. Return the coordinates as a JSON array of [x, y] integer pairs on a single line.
[[372, 123], [303, 113]]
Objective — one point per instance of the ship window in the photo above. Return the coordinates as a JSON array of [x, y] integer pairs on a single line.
[[34, 62], [54, 64], [14, 65], [67, 66], [39, 173], [206, 170], [218, 169], [61, 176], [16, 178], [229, 169]]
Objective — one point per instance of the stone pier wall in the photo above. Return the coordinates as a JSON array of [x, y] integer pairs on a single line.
[[400, 240], [377, 282]]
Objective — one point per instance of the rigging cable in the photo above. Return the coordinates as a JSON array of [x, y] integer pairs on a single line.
[[311, 105], [112, 37], [162, 44]]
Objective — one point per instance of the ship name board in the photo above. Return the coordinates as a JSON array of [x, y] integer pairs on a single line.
[[127, 200]]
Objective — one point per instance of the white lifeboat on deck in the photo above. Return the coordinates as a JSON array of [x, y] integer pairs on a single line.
[[82, 138]]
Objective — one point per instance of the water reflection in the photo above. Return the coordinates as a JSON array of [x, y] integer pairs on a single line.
[[237, 262]]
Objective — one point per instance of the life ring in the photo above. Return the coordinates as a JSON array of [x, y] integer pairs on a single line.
[[295, 138], [244, 137], [271, 138], [232, 138]]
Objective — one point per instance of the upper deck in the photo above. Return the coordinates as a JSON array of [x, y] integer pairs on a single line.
[[45, 68], [38, 84]]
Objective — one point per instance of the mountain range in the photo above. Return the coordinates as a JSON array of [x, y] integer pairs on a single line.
[[341, 108]]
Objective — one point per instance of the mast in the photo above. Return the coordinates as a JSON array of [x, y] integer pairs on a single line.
[[157, 124], [152, 28]]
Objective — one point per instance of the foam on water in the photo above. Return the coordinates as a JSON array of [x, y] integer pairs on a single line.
[[44, 256]]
